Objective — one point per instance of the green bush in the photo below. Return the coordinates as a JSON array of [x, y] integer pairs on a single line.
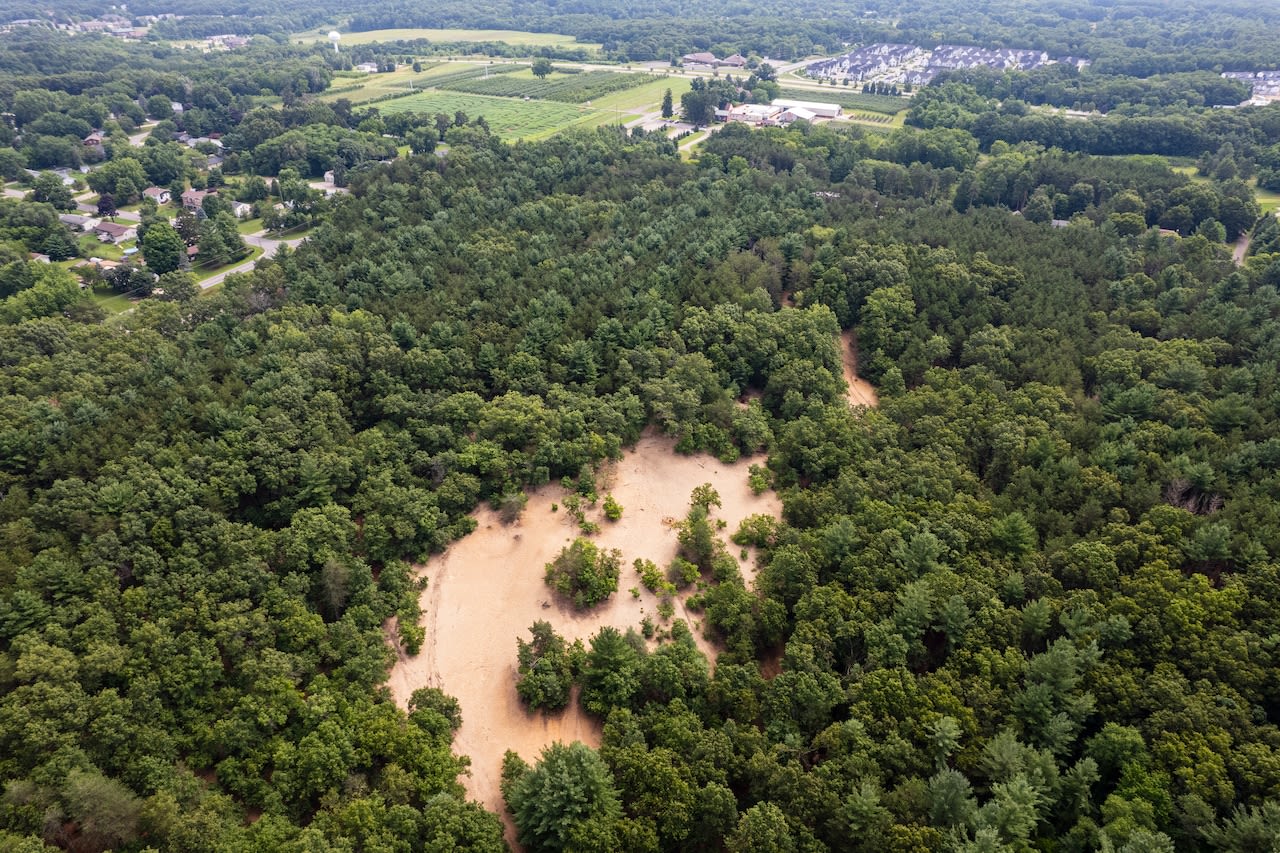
[[584, 573]]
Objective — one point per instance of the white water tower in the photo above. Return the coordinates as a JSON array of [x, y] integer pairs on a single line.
[[335, 37]]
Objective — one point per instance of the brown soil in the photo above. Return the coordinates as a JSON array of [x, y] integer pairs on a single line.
[[487, 589], [860, 391]]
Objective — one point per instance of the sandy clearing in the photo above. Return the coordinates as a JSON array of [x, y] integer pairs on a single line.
[[487, 589], [860, 393]]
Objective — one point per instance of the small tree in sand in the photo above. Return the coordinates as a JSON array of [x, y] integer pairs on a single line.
[[584, 573]]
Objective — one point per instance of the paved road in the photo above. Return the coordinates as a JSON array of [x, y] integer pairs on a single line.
[[9, 192], [140, 137], [269, 248]]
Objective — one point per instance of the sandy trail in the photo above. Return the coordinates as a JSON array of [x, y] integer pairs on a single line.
[[1240, 249], [487, 589], [860, 393]]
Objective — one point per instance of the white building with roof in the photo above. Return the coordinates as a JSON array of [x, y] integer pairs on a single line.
[[819, 110]]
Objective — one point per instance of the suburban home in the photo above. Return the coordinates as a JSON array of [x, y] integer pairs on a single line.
[[110, 232], [241, 209], [77, 222], [194, 199], [159, 195], [93, 139]]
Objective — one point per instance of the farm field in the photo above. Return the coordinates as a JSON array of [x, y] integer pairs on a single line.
[[573, 88], [507, 117], [512, 37], [362, 88]]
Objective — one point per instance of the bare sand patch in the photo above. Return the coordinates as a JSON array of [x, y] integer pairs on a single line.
[[487, 589], [861, 392]]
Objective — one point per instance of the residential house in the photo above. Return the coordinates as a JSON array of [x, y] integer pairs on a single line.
[[110, 232], [159, 195], [241, 209], [367, 67], [93, 139], [194, 199], [77, 222]]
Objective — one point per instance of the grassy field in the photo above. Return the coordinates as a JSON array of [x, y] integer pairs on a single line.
[[111, 302], [511, 37], [646, 98], [508, 118]]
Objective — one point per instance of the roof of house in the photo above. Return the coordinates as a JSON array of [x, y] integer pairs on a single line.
[[736, 59], [114, 229], [703, 57], [155, 192]]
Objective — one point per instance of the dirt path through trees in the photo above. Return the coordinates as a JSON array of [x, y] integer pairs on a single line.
[[487, 589], [860, 392]]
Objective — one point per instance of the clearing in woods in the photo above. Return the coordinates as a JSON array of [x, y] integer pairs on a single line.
[[861, 392], [488, 588]]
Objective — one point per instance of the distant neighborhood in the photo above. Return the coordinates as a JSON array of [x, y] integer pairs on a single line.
[[1266, 85], [908, 65]]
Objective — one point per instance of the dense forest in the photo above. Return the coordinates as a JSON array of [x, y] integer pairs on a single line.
[[1029, 602]]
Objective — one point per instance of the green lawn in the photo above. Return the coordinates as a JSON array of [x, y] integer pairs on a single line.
[[249, 226], [111, 302], [92, 247], [507, 117], [1269, 201], [512, 37]]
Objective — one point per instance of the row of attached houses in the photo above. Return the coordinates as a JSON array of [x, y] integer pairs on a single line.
[[866, 61]]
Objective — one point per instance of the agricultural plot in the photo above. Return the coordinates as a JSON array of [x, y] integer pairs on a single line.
[[508, 118], [568, 88], [848, 100], [363, 88], [451, 74]]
